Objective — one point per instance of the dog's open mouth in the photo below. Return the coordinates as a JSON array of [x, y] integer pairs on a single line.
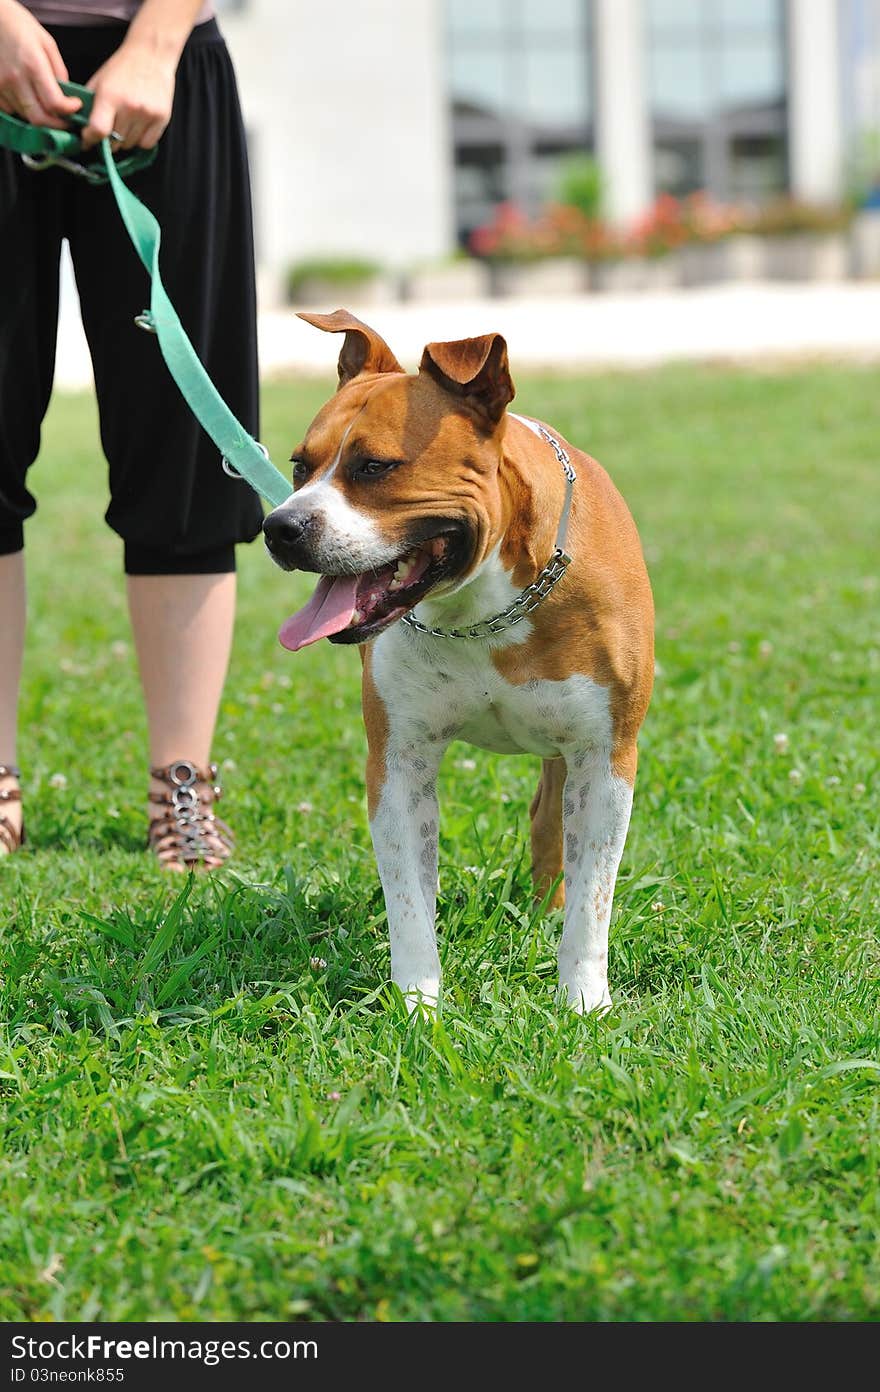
[[352, 608]]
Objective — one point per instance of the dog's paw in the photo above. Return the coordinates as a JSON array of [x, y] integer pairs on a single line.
[[422, 997], [585, 997]]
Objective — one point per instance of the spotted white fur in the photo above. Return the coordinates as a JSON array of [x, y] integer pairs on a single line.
[[437, 690], [596, 807], [404, 830]]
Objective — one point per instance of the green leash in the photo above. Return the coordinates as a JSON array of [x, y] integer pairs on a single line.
[[240, 452], [40, 146], [242, 456]]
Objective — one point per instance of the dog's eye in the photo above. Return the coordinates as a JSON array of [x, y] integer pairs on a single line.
[[300, 470], [371, 468]]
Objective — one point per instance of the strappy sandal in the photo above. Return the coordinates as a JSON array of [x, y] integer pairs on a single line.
[[186, 835], [11, 836]]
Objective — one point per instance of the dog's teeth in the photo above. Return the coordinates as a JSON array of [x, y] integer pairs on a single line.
[[404, 566], [356, 618]]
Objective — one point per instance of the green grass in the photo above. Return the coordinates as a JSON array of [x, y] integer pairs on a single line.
[[212, 1104]]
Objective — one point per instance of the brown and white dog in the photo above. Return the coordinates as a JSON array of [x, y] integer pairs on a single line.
[[439, 522]]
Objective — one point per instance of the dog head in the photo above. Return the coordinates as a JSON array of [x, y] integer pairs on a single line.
[[396, 492]]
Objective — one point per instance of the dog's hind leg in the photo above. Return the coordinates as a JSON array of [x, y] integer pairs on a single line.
[[546, 815]]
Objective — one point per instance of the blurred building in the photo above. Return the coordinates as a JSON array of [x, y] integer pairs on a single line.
[[389, 129]]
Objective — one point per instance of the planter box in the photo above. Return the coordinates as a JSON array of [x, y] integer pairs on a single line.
[[661, 272], [555, 276], [741, 257], [377, 290], [808, 256], [460, 280], [617, 277], [702, 263], [745, 257], [865, 244], [636, 273]]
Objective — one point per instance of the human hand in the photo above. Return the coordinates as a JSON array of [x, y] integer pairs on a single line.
[[30, 69], [134, 93]]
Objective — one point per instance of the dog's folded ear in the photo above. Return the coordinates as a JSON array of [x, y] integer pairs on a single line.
[[474, 369], [363, 350]]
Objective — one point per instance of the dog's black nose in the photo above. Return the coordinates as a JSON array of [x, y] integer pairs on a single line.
[[285, 530]]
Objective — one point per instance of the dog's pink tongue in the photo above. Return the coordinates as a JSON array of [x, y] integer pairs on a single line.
[[330, 609]]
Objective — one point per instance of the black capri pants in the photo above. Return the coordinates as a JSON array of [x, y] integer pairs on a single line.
[[175, 508]]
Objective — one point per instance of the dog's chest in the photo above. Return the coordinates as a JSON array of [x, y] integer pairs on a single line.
[[436, 690]]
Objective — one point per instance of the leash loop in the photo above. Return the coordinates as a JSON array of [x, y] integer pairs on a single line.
[[43, 147]]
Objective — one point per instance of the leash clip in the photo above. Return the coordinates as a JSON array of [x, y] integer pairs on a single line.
[[228, 468], [145, 321], [40, 163]]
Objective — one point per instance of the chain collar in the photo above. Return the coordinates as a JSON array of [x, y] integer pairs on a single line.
[[534, 594]]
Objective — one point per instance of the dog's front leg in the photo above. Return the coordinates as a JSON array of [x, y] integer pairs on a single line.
[[403, 824], [596, 810]]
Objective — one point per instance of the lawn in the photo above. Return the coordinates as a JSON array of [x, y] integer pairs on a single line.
[[213, 1106]]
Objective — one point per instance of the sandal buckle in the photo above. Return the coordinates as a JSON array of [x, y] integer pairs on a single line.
[[182, 773]]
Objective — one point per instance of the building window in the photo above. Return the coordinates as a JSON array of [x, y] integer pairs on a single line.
[[718, 96], [520, 81]]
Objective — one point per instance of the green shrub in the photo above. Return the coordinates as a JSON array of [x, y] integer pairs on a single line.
[[786, 215], [864, 169], [331, 270], [581, 185]]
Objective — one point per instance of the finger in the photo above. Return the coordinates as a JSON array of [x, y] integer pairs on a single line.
[[134, 135], [28, 105], [101, 122], [50, 95], [32, 110], [153, 134], [137, 134], [56, 62]]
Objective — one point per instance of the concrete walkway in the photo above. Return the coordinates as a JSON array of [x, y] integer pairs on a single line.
[[728, 323]]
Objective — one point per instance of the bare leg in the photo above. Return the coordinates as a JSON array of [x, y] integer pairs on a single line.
[[12, 625], [182, 627]]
